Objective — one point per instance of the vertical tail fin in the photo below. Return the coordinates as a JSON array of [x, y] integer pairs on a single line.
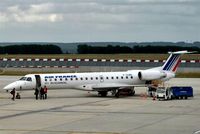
[[173, 61]]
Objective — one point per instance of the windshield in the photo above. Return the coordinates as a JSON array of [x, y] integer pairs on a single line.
[[160, 91], [23, 78]]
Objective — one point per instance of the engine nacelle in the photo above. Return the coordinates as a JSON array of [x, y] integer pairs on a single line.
[[151, 75]]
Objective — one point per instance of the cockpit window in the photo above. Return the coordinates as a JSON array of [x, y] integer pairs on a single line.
[[23, 78], [26, 79], [29, 79]]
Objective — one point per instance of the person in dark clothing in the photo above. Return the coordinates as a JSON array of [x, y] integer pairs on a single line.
[[18, 96], [36, 93], [13, 94], [45, 92], [41, 93]]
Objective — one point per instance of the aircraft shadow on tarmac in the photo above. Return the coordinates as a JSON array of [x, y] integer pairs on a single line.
[[50, 96]]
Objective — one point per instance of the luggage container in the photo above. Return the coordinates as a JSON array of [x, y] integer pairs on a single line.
[[182, 92]]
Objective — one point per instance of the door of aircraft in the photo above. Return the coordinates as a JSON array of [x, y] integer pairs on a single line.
[[101, 78], [38, 81]]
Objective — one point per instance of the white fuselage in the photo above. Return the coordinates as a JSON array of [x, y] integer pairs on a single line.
[[85, 81], [100, 81], [80, 81]]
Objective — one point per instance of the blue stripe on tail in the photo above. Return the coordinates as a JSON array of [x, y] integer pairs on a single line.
[[173, 62], [169, 62]]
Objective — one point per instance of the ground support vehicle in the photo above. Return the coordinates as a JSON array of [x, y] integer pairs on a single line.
[[164, 93], [182, 92], [176, 92]]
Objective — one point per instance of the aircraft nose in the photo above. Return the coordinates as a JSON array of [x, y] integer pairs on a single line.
[[10, 86]]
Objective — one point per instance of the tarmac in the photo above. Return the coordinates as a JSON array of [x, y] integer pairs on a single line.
[[78, 112]]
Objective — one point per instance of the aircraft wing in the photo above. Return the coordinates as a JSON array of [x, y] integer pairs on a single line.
[[112, 86]]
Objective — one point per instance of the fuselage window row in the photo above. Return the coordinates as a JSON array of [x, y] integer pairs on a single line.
[[91, 78]]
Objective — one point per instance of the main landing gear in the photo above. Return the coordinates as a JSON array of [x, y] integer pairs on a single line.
[[103, 93], [117, 93], [125, 92]]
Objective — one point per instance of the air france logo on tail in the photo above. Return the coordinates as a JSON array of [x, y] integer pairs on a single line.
[[172, 63]]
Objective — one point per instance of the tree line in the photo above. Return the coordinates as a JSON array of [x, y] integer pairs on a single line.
[[30, 49], [90, 49], [86, 49], [109, 49]]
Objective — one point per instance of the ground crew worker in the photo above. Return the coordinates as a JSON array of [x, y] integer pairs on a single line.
[[13, 94], [45, 92], [36, 93], [18, 96]]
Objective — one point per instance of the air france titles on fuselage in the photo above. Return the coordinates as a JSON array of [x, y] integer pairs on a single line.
[[58, 79]]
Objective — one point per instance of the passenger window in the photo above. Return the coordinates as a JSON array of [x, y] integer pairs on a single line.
[[50, 80], [55, 79], [81, 78], [29, 79], [126, 77], [91, 78], [76, 78], [66, 79], [86, 78], [45, 79], [107, 78], [112, 77], [96, 78], [122, 77], [131, 77], [71, 78], [60, 79], [117, 77]]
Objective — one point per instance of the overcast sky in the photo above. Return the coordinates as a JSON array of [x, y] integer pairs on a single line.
[[99, 20]]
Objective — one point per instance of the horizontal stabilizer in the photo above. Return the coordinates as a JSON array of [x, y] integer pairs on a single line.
[[182, 52]]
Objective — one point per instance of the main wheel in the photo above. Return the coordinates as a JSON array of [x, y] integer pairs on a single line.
[[117, 95], [132, 92], [103, 93]]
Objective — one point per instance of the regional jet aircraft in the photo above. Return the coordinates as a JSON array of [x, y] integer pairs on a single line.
[[102, 82]]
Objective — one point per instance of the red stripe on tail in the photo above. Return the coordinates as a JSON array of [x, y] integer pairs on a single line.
[[177, 64]]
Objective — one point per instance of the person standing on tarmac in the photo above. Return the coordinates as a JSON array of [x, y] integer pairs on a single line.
[[13, 94], [45, 92], [36, 93], [41, 93]]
